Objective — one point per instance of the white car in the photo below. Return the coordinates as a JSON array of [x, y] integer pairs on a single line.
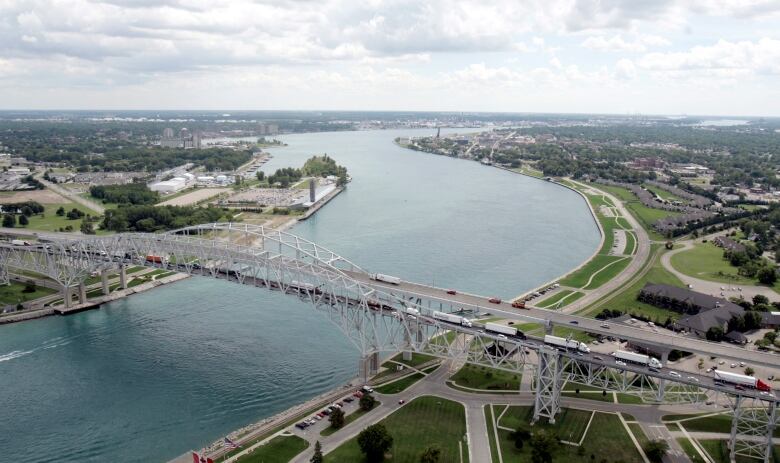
[[733, 365], [605, 326], [501, 336], [691, 378], [742, 364], [675, 374], [621, 363]]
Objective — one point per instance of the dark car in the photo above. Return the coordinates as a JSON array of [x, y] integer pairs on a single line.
[[494, 300], [452, 291], [574, 322]]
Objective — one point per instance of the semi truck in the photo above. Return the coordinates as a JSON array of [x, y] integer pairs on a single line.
[[452, 318], [386, 278], [741, 380], [20, 243], [640, 359], [566, 343], [503, 329]]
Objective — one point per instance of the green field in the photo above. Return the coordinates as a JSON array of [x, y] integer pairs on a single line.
[[14, 293], [50, 221], [706, 261], [488, 409], [606, 439], [423, 422], [280, 449], [608, 272], [417, 359], [630, 244], [580, 278], [663, 194], [479, 377], [570, 296], [689, 450], [645, 215], [400, 385], [625, 300]]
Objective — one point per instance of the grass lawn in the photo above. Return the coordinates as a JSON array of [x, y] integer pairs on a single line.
[[570, 296], [280, 449], [625, 299], [480, 377], [579, 335], [630, 243], [608, 272], [417, 359], [606, 439], [580, 278], [636, 430], [663, 194], [706, 261], [348, 419], [423, 422], [689, 450], [397, 386], [491, 433], [645, 215], [50, 221], [14, 293]]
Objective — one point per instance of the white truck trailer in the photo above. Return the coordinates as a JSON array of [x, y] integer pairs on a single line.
[[503, 329], [566, 343], [386, 278], [742, 380], [452, 318], [640, 359]]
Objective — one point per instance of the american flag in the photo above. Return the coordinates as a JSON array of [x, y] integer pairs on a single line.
[[230, 444]]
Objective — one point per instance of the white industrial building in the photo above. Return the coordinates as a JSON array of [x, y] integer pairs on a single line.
[[169, 186]]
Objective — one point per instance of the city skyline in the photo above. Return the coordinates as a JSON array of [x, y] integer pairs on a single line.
[[669, 57]]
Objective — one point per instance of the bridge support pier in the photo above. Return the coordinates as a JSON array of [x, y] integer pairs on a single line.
[[82, 293], [369, 365], [752, 429], [104, 281], [662, 383], [123, 276], [549, 381], [66, 296], [407, 355]]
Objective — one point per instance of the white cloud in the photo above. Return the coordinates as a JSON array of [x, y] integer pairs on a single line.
[[760, 57], [616, 43], [625, 69]]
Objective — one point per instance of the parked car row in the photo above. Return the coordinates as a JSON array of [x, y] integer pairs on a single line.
[[541, 292], [330, 408]]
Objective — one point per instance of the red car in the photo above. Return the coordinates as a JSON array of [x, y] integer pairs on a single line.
[[494, 300], [452, 291]]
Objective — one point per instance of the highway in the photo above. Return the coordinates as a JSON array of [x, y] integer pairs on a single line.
[[590, 325]]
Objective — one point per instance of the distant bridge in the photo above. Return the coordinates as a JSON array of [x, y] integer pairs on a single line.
[[375, 316]]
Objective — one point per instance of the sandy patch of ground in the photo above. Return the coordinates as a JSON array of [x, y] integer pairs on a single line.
[[40, 196], [619, 243], [194, 197]]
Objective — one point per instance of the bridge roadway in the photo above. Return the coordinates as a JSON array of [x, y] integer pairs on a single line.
[[534, 314]]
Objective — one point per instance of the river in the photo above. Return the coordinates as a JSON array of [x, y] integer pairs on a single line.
[[151, 376]]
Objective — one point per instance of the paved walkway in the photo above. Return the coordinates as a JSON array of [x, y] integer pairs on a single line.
[[647, 416], [72, 196]]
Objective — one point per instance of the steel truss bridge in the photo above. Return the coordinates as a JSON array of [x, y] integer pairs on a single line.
[[375, 318]]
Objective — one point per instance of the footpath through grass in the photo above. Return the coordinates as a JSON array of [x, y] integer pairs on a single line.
[[423, 422], [280, 449], [605, 440], [646, 216], [566, 295]]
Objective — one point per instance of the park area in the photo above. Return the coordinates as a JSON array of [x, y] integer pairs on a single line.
[[706, 261], [588, 436], [424, 422]]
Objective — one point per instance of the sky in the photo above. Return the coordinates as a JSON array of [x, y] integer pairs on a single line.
[[696, 57]]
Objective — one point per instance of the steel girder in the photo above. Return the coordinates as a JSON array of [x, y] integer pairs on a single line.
[[752, 428], [549, 382]]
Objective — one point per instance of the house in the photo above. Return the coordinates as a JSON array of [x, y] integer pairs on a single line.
[[701, 311], [728, 244]]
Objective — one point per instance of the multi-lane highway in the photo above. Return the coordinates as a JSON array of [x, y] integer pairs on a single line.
[[438, 297]]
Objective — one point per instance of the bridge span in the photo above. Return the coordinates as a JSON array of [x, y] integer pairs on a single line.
[[376, 316]]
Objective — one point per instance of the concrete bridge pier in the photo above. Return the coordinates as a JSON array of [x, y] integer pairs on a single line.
[[369, 365], [407, 355], [82, 293], [549, 382], [104, 281], [123, 276], [66, 296], [662, 382]]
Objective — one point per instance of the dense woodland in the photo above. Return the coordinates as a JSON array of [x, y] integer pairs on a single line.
[[132, 193], [159, 218]]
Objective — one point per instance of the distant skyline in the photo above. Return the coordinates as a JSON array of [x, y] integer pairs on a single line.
[[716, 57]]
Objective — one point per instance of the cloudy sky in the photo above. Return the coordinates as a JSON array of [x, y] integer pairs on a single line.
[[717, 57]]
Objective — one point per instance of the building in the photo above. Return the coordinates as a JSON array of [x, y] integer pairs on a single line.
[[701, 311], [168, 132], [728, 244], [169, 186]]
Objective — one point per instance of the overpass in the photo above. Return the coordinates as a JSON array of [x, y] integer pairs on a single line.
[[376, 316]]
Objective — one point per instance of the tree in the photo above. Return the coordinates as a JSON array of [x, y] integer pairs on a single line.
[[753, 320], [336, 418], [519, 436], [431, 455], [23, 220], [749, 371], [367, 402], [27, 211], [260, 175], [656, 449], [317, 457], [543, 444], [374, 442], [9, 221], [87, 228], [767, 275], [29, 286], [74, 214], [61, 211], [760, 299]]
